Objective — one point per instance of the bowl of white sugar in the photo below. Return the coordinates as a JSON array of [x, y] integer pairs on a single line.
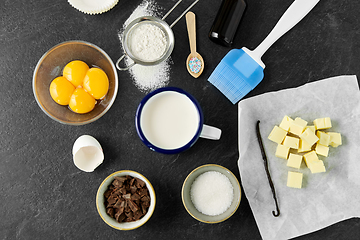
[[211, 193], [147, 41]]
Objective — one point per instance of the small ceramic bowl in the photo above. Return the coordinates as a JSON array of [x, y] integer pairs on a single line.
[[186, 196], [100, 201], [51, 65]]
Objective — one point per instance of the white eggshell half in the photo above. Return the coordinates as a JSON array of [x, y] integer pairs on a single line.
[[87, 153]]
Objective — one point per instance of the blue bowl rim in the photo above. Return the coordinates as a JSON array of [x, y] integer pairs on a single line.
[[158, 149]]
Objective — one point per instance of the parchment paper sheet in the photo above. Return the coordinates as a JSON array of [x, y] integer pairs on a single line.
[[326, 198]]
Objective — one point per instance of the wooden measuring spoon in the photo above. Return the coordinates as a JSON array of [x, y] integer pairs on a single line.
[[194, 62]]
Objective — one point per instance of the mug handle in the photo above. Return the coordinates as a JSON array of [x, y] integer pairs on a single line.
[[120, 68], [210, 132]]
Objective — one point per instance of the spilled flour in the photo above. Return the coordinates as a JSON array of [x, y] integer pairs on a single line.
[[147, 78]]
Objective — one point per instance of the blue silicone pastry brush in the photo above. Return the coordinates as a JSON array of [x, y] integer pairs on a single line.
[[241, 70]]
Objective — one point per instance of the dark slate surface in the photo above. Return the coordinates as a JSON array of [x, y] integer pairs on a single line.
[[44, 196]]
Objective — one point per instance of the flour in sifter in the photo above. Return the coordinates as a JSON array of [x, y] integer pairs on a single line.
[[147, 42], [147, 78]]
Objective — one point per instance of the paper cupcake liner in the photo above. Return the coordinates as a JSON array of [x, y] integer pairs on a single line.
[[93, 6]]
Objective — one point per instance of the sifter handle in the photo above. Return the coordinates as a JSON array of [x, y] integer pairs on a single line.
[[176, 20], [121, 68]]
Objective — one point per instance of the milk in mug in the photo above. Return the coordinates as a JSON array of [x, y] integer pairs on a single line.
[[169, 120]]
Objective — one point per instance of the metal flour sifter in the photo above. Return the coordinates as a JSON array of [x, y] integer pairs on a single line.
[[160, 23]]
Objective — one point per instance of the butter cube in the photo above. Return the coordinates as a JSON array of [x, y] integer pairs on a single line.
[[303, 146], [294, 179], [310, 157], [291, 142], [322, 123], [335, 139], [309, 136], [324, 138], [312, 128], [317, 167], [282, 151], [285, 123], [294, 161], [297, 126], [322, 150], [277, 135]]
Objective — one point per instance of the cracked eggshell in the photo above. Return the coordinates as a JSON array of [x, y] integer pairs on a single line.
[[87, 153]]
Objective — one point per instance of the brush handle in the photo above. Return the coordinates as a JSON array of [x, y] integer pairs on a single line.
[[297, 11]]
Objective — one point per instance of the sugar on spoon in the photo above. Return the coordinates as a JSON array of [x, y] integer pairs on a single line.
[[194, 62]]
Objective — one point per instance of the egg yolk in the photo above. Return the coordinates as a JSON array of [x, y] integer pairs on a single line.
[[75, 72], [79, 87], [81, 101], [61, 90], [96, 83]]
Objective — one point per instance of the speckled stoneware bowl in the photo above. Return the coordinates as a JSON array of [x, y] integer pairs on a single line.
[[100, 202], [186, 197], [51, 65]]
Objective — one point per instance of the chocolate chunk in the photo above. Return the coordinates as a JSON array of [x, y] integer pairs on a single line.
[[127, 199], [133, 206], [118, 204], [117, 192], [146, 204], [137, 215], [140, 183], [144, 208], [120, 217], [143, 191], [133, 189], [107, 193], [129, 215], [127, 196], [122, 190], [145, 199], [132, 181], [117, 183], [127, 208], [112, 199], [120, 179], [128, 220], [135, 197], [122, 207], [110, 212], [127, 187]]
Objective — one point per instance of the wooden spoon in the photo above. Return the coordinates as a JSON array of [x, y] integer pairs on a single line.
[[193, 67]]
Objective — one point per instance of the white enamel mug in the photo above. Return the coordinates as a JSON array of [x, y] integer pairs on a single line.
[[170, 120]]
